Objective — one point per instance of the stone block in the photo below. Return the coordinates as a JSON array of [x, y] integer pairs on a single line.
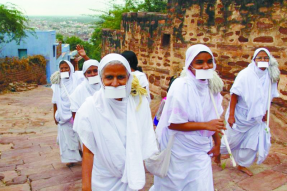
[[230, 47], [264, 181], [263, 25], [151, 79], [56, 180], [229, 34], [263, 39], [219, 20], [73, 186], [50, 173], [242, 63], [200, 34], [17, 180], [20, 187], [283, 30], [242, 39], [9, 175]]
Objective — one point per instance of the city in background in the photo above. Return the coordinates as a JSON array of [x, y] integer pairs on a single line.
[[79, 26]]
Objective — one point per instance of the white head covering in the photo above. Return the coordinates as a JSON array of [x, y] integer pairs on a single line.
[[88, 64], [85, 89], [116, 57], [259, 50], [193, 51], [188, 91], [253, 64], [59, 95]]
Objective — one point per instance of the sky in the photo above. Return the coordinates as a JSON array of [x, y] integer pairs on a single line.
[[59, 7]]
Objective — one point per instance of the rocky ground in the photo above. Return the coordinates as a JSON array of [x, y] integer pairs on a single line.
[[30, 156]]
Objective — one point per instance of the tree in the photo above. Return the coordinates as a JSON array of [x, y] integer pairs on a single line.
[[90, 49], [60, 37], [112, 18], [13, 24], [73, 41], [153, 6]]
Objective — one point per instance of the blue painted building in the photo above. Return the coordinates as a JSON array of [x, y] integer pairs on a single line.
[[41, 43]]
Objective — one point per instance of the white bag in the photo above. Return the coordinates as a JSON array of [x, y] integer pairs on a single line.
[[158, 164]]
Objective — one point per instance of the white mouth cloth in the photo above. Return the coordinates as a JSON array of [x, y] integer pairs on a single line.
[[94, 79], [203, 74], [263, 64], [64, 75], [115, 92]]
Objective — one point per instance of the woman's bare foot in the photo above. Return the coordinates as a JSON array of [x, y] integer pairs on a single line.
[[217, 160], [245, 170]]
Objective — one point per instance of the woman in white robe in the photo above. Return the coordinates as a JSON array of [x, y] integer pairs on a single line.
[[117, 136], [67, 138], [88, 87], [190, 115], [247, 131], [137, 71]]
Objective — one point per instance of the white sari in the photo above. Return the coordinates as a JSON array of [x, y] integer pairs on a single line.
[[119, 136], [67, 138], [188, 100], [249, 137]]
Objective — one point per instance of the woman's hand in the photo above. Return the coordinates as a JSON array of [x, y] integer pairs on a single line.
[[215, 151], [231, 120], [56, 121], [82, 52], [264, 117], [216, 125]]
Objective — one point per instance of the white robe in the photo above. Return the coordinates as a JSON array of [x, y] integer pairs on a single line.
[[108, 143], [249, 137], [81, 93], [190, 165], [143, 82], [188, 100], [119, 136], [68, 140]]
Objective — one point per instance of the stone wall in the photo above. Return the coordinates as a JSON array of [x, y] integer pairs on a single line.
[[160, 40], [33, 73]]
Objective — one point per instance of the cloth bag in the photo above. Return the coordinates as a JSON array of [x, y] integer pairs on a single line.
[[158, 164]]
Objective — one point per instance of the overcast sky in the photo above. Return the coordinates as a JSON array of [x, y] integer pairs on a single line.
[[59, 7]]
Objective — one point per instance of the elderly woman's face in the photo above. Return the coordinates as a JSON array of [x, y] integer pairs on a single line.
[[262, 56], [115, 75], [201, 61], [91, 71], [64, 68]]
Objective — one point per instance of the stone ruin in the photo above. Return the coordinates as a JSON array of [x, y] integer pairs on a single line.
[[232, 32]]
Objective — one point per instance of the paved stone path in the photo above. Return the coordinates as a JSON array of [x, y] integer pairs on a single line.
[[30, 156]]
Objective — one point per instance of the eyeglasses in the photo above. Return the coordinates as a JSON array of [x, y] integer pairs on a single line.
[[262, 58]]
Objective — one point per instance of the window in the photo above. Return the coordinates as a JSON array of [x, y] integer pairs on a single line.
[[54, 51], [165, 40], [22, 53]]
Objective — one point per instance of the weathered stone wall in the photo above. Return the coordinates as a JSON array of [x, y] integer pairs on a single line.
[[31, 73], [160, 40]]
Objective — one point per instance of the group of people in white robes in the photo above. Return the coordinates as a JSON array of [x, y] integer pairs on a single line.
[[113, 124]]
